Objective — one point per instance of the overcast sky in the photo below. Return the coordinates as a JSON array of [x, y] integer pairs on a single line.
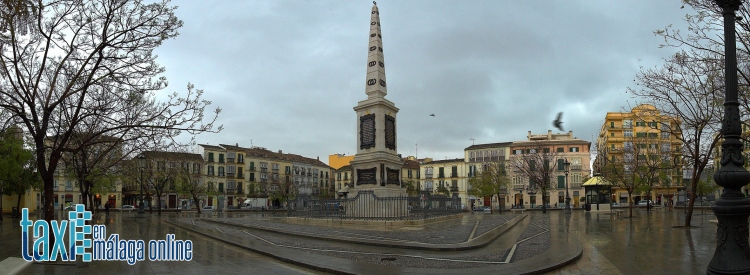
[[288, 73]]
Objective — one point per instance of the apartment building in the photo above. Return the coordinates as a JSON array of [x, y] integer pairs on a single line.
[[637, 138]]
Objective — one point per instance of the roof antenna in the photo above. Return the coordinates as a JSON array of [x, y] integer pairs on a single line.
[[472, 141], [251, 144]]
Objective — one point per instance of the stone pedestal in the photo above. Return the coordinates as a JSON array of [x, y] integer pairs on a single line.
[[377, 202]]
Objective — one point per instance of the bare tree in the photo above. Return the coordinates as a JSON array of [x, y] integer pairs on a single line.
[[688, 91], [538, 164], [697, 77], [88, 59]]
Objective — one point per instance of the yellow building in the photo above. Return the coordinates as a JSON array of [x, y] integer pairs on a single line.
[[631, 136], [450, 174], [337, 161]]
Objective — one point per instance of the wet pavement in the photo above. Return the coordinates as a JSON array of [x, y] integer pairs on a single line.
[[648, 243]]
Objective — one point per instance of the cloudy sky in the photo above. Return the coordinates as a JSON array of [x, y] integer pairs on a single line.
[[288, 73]]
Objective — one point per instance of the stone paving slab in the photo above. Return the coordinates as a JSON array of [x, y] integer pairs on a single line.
[[325, 259]]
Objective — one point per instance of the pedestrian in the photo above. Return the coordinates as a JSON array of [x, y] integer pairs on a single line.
[[106, 208]]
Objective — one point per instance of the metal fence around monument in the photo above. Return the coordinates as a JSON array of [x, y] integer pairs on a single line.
[[368, 206]]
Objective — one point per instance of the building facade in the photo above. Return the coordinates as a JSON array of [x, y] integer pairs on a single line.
[[638, 138], [554, 149]]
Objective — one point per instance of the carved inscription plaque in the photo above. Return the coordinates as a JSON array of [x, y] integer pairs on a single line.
[[367, 131], [393, 177], [366, 176], [390, 132]]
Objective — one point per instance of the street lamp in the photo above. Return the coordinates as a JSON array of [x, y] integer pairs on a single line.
[[566, 168], [141, 166], [732, 254]]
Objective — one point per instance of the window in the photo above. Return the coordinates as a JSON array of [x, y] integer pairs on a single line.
[[613, 147], [161, 166], [454, 171], [560, 181], [653, 135], [664, 134], [653, 146], [612, 134], [628, 133], [231, 169], [652, 124], [665, 147], [640, 123], [221, 171], [221, 158], [196, 168], [211, 157], [240, 158], [441, 174], [231, 156], [221, 185], [252, 176], [574, 149], [287, 170], [408, 173], [561, 164], [210, 170], [640, 134], [627, 124], [560, 149], [517, 152], [252, 166], [611, 124], [546, 150]]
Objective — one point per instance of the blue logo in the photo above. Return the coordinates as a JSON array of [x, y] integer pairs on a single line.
[[90, 242]]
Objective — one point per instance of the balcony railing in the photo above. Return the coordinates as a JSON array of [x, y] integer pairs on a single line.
[[454, 175], [252, 168], [275, 171], [240, 160], [239, 175], [231, 175], [428, 176], [230, 160], [518, 187]]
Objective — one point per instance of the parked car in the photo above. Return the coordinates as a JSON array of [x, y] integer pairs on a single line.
[[483, 209], [70, 208], [127, 207], [645, 202], [207, 208]]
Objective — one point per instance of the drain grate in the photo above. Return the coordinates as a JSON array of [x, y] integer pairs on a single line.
[[389, 259]]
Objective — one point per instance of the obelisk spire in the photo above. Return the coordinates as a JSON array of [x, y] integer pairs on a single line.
[[375, 83]]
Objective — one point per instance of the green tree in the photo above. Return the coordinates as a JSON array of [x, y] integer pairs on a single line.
[[411, 188], [17, 166], [492, 181]]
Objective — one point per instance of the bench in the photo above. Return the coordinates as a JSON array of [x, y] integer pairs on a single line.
[[13, 265], [514, 210]]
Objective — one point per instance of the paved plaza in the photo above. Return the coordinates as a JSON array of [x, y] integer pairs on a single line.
[[532, 242]]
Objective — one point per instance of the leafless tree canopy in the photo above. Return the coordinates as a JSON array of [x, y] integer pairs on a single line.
[[538, 163], [86, 63]]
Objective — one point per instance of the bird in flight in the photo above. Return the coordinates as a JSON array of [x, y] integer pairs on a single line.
[[558, 122], [432, 114]]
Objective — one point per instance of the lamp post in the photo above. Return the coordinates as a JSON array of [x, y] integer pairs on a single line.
[[732, 254], [141, 166], [566, 168]]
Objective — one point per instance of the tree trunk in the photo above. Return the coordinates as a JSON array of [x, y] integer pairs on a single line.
[[158, 203], [1, 205], [630, 204], [197, 202], [499, 209], [689, 213], [18, 204]]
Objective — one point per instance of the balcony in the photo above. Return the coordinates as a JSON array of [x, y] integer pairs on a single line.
[[210, 174], [230, 160], [69, 188], [440, 176], [221, 174], [231, 175], [454, 175], [251, 168], [240, 191], [518, 187], [275, 171], [264, 170], [428, 176], [240, 160], [239, 175], [576, 185], [575, 167]]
